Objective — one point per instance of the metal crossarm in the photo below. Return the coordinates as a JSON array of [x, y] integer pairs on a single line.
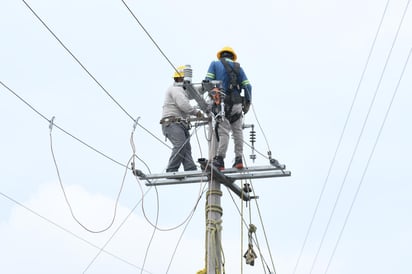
[[226, 177]]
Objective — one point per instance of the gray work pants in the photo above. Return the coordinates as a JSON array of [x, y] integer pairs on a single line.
[[224, 129], [179, 135]]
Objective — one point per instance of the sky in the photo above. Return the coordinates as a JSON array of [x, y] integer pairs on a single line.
[[345, 209]]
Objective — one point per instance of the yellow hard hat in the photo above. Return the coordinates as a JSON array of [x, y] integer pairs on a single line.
[[227, 49], [179, 72]]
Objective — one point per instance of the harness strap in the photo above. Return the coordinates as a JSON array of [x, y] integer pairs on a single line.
[[233, 73]]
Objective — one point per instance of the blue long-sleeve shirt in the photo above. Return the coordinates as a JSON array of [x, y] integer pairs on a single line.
[[217, 71]]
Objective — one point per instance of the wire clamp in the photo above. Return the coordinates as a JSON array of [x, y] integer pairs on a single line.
[[135, 123], [51, 123], [137, 172]]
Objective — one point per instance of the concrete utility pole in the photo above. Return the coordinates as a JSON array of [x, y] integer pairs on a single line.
[[214, 214], [215, 179], [213, 228]]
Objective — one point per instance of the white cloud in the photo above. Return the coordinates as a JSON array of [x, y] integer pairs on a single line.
[[32, 245]]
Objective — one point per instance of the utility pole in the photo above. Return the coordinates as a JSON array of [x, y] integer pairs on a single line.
[[215, 179], [214, 214]]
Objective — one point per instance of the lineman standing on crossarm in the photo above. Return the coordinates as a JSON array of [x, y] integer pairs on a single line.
[[234, 79], [176, 109]]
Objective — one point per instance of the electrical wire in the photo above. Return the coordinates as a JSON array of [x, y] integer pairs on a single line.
[[91, 75], [368, 162], [341, 138], [115, 232], [67, 200], [183, 231], [188, 222], [261, 221], [246, 225], [261, 129], [174, 227], [77, 60], [66, 230], [359, 137], [64, 131], [263, 227], [148, 34]]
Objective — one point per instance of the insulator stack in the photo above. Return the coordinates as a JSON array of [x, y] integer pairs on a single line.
[[252, 142], [252, 137]]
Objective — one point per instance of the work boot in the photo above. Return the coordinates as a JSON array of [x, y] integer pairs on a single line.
[[219, 163], [238, 163]]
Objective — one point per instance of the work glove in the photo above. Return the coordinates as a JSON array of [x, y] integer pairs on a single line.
[[246, 106]]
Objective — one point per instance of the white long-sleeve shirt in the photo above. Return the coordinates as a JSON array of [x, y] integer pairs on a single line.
[[177, 103]]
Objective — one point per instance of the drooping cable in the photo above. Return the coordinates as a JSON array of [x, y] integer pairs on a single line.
[[65, 194], [169, 228], [133, 145], [360, 136], [102, 249], [368, 162], [341, 138], [133, 209], [184, 230]]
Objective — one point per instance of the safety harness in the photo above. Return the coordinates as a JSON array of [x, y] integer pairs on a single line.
[[232, 93]]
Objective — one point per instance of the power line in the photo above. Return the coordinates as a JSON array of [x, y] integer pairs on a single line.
[[148, 34], [55, 125], [67, 200], [77, 60], [66, 230], [115, 232], [360, 136], [141, 200], [341, 138], [91, 75], [368, 162]]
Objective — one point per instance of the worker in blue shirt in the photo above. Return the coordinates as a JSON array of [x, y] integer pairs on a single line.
[[234, 80]]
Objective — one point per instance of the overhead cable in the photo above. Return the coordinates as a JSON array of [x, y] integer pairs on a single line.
[[133, 209], [67, 199], [368, 162], [360, 136], [102, 249], [77, 60], [64, 131], [340, 138], [148, 34], [67, 231], [91, 75]]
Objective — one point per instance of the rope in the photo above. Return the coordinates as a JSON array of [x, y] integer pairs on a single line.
[[214, 227]]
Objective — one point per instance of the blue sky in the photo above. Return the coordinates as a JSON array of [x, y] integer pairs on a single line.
[[305, 60]]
